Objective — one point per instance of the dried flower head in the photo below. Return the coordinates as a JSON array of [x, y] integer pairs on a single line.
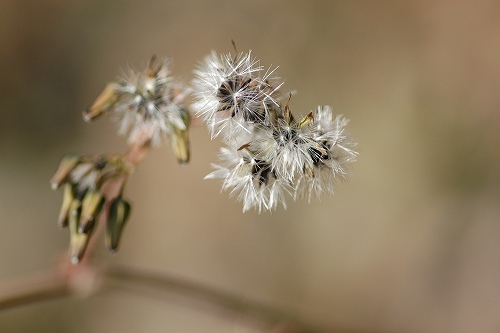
[[251, 179], [233, 92], [269, 155], [286, 144], [148, 106], [331, 152]]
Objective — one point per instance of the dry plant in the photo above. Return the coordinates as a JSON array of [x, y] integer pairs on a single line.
[[268, 157]]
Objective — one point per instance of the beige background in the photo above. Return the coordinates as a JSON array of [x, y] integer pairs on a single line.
[[411, 244]]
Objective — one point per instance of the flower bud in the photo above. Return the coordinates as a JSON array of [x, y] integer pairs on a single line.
[[180, 145], [77, 241], [81, 171], [306, 120], [179, 140], [66, 205], [154, 67], [119, 212], [91, 207], [67, 164], [106, 99]]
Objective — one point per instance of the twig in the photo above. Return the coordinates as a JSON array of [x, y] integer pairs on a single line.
[[236, 304], [43, 286], [82, 279]]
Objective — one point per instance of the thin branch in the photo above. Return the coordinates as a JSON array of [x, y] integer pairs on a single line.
[[68, 280], [253, 310], [41, 287], [85, 279]]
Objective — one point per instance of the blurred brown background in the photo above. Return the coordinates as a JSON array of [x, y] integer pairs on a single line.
[[411, 244]]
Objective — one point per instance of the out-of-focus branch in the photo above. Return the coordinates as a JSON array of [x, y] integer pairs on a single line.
[[273, 318], [40, 287], [69, 280], [62, 280]]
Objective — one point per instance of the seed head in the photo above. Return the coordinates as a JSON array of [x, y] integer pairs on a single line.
[[148, 105], [232, 93]]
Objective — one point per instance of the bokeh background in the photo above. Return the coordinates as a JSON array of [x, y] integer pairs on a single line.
[[410, 244]]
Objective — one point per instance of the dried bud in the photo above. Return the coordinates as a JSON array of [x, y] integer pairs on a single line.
[[180, 145], [91, 207], [154, 67], [306, 120], [82, 171], [77, 241], [68, 163], [106, 99], [179, 139], [66, 206], [119, 212]]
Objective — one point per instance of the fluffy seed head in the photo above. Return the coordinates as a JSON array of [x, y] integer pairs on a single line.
[[148, 105], [268, 154], [233, 92]]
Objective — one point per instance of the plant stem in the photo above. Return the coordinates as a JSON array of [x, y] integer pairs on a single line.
[[226, 301], [67, 280], [39, 287]]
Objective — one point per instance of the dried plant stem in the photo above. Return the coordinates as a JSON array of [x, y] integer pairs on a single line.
[[244, 307], [137, 153], [69, 280], [43, 286]]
